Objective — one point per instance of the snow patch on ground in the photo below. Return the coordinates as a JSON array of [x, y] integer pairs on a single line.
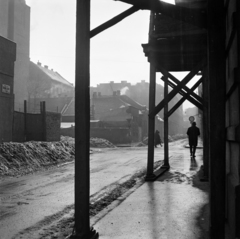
[[22, 158]]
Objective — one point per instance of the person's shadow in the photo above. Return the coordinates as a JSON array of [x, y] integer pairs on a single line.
[[193, 164]]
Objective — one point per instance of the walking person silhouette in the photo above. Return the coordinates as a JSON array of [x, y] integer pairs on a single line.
[[193, 132], [157, 139]]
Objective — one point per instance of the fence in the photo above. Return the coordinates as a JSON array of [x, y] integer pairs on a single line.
[[37, 127]]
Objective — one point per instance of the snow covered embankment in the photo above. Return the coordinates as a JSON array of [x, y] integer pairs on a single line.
[[22, 158]]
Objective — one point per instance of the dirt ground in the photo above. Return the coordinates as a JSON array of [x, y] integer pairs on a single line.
[[98, 208], [18, 159], [63, 228]]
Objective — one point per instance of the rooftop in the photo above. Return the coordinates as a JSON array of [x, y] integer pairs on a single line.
[[53, 74]]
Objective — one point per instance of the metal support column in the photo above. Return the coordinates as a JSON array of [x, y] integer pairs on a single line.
[[151, 124], [82, 123], [205, 130], [217, 92], [237, 188], [166, 146]]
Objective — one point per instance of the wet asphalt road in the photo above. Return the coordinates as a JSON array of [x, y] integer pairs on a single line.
[[28, 200]]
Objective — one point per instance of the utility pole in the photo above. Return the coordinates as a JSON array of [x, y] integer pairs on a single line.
[[82, 123], [166, 146], [151, 119]]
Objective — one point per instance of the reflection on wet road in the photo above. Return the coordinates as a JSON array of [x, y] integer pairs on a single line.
[[193, 164], [36, 200], [170, 207], [41, 197]]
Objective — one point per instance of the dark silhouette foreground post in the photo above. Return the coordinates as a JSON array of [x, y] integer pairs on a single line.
[[82, 124], [166, 146]]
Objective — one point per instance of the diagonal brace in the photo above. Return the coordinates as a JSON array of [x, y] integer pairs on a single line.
[[184, 98], [113, 21], [173, 93], [189, 98], [175, 80]]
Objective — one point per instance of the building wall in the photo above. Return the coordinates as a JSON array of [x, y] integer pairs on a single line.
[[7, 58], [232, 124], [19, 32], [15, 25], [4, 18]]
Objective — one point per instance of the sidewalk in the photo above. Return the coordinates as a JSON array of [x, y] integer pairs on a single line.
[[174, 206]]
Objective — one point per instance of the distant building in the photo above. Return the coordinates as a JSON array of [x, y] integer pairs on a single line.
[[140, 93], [7, 58], [47, 85], [45, 82], [109, 88], [118, 110], [116, 117], [15, 26]]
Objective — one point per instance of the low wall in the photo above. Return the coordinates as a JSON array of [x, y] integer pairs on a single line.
[[38, 127], [35, 127], [53, 124], [114, 135], [18, 134]]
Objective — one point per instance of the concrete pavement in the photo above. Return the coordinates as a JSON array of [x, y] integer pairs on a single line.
[[174, 206]]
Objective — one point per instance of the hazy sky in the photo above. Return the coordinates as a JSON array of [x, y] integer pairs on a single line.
[[116, 53]]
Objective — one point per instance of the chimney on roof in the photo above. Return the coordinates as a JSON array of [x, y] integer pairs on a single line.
[[124, 82], [46, 66], [39, 63], [111, 82], [142, 81]]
